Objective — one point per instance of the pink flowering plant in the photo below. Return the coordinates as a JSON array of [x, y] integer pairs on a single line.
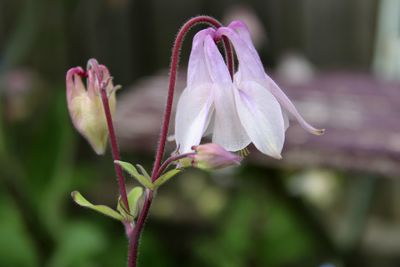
[[235, 107]]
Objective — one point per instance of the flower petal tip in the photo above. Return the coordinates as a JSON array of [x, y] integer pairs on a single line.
[[238, 24], [319, 131], [99, 149], [275, 155]]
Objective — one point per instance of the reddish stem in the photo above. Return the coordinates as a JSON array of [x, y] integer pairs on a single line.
[[134, 239], [92, 63], [114, 147], [172, 159]]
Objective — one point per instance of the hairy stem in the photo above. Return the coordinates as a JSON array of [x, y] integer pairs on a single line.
[[134, 238], [92, 63], [168, 161], [114, 147]]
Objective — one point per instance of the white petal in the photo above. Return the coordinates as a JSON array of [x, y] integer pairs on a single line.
[[285, 119], [193, 110], [210, 123], [288, 106], [261, 116], [228, 131]]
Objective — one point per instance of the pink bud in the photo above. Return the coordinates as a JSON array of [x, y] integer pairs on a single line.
[[213, 156], [85, 105]]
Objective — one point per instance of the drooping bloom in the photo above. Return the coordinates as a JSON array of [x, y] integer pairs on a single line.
[[85, 104], [249, 109], [212, 156]]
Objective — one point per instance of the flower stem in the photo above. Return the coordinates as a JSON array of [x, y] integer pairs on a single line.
[[92, 63], [134, 238], [157, 167], [173, 74], [114, 147], [168, 161]]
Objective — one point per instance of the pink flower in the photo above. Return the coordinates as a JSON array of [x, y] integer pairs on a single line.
[[249, 109], [212, 156], [85, 104]]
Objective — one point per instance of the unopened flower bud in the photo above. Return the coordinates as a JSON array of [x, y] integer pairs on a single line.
[[212, 156], [85, 104]]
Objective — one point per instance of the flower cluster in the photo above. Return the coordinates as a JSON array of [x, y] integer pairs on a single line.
[[250, 108]]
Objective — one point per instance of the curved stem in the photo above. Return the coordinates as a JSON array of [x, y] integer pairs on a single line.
[[172, 159], [173, 74], [134, 238]]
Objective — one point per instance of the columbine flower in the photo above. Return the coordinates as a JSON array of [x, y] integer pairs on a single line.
[[249, 109], [85, 105], [212, 156]]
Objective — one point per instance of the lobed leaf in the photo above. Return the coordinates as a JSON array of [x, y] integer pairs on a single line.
[[165, 177]]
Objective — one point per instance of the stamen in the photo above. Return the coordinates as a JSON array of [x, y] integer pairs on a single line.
[[244, 152]]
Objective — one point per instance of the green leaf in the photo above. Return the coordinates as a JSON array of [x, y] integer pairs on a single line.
[[143, 171], [165, 177], [135, 174], [83, 202], [133, 198]]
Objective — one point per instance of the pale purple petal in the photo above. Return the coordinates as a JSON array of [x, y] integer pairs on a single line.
[[197, 68], [74, 82], [250, 66], [288, 106], [228, 131], [241, 29], [261, 117], [217, 68], [243, 33]]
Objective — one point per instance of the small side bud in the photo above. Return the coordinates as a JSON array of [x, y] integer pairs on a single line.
[[213, 156], [85, 105]]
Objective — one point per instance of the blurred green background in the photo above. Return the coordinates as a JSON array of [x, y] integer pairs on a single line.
[[322, 213]]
